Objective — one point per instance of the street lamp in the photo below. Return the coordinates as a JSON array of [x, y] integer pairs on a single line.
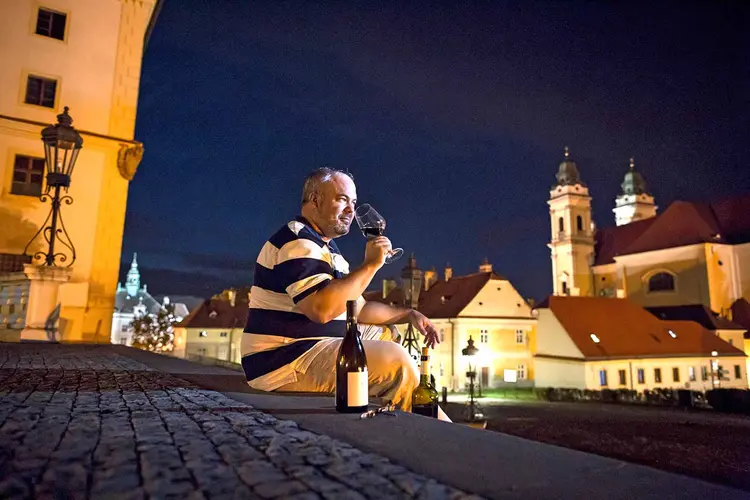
[[473, 412], [411, 285], [62, 143]]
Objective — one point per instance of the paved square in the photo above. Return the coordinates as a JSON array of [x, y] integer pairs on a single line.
[[81, 421]]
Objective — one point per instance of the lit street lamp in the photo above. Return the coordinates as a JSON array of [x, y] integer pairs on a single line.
[[62, 143], [473, 412]]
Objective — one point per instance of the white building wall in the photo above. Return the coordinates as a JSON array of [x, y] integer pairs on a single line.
[[552, 339], [559, 373], [122, 333], [666, 365]]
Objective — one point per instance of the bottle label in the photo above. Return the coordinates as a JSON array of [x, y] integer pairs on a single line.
[[424, 368], [357, 388]]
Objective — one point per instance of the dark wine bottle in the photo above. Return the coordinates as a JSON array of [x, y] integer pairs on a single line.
[[351, 367], [424, 399]]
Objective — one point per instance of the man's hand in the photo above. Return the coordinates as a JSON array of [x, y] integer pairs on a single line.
[[425, 326], [376, 250]]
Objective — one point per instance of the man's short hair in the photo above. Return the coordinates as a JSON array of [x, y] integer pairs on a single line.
[[316, 178]]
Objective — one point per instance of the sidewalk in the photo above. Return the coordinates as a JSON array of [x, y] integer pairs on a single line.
[[86, 422]]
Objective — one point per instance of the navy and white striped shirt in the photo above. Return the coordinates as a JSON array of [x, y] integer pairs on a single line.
[[279, 339]]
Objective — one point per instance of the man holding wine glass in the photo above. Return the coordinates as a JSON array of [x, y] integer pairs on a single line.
[[298, 301]]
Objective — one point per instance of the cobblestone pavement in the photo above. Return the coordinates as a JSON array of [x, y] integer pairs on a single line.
[[85, 422]]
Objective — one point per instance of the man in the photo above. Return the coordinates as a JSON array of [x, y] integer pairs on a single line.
[[298, 302]]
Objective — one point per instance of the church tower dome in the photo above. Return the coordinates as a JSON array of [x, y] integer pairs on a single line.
[[634, 201], [567, 172], [133, 279]]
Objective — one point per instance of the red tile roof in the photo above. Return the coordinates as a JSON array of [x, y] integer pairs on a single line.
[[682, 223], [444, 299], [217, 313], [625, 329]]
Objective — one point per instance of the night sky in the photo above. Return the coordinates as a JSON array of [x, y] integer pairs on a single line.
[[452, 119]]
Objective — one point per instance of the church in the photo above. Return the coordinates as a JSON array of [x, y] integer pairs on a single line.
[[691, 253]]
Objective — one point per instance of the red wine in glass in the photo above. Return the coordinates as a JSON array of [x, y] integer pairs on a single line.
[[372, 225]]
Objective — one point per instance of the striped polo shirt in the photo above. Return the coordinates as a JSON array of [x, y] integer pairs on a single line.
[[279, 339]]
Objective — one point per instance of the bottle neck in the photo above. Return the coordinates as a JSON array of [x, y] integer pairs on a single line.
[[424, 370]]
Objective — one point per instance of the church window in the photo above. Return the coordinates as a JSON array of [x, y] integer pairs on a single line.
[[520, 337], [622, 376], [579, 223], [661, 282], [737, 371], [27, 176], [676, 374], [560, 224], [657, 375], [521, 372], [603, 377], [641, 376]]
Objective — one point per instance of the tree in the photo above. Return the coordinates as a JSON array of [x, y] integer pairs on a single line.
[[155, 332]]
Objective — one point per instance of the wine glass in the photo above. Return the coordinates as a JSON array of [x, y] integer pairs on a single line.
[[372, 225]]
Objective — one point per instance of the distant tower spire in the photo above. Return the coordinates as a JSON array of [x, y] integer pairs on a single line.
[[133, 280], [634, 202]]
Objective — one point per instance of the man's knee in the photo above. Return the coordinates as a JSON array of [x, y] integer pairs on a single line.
[[403, 368]]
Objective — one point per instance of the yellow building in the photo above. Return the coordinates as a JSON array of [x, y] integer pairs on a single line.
[[84, 54], [214, 329], [692, 253], [482, 306], [608, 343]]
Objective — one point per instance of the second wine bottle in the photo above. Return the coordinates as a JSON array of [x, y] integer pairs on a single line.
[[351, 367]]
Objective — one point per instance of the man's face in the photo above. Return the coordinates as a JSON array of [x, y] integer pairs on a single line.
[[334, 206]]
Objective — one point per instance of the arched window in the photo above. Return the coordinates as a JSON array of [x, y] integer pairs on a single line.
[[579, 223], [661, 282], [560, 224]]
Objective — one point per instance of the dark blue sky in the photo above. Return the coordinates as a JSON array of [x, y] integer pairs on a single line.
[[453, 120]]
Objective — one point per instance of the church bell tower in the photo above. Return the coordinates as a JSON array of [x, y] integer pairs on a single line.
[[572, 241], [634, 202]]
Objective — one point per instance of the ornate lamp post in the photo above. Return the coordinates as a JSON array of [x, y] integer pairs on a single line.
[[62, 143], [473, 411], [411, 284]]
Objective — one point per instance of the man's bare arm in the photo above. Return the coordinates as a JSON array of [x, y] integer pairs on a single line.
[[330, 301], [377, 313]]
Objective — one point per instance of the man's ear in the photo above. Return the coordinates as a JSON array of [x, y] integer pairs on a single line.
[[314, 200]]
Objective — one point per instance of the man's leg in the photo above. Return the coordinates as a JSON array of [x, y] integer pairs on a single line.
[[392, 375]]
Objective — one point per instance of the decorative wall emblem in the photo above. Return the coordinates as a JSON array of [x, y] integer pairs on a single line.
[[128, 159]]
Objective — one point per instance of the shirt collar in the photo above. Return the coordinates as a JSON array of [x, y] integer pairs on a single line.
[[331, 244]]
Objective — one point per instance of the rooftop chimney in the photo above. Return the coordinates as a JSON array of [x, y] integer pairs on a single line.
[[430, 277], [485, 267], [448, 271]]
